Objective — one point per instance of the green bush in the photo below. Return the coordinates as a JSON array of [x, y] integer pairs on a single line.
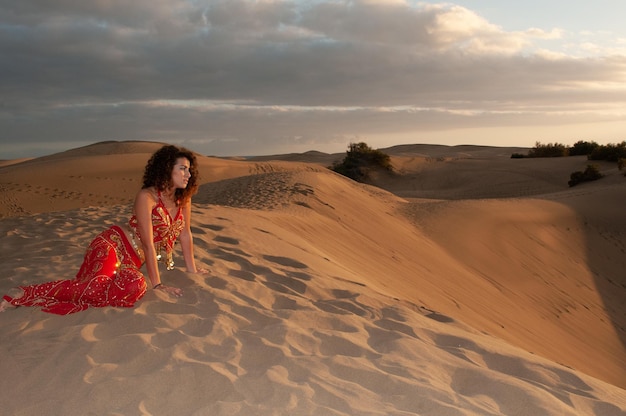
[[360, 160], [582, 148], [621, 164], [609, 152], [591, 173], [593, 151], [548, 150]]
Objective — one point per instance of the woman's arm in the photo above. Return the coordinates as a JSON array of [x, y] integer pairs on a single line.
[[145, 201], [186, 241]]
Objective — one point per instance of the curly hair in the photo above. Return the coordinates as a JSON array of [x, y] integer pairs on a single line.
[[158, 171]]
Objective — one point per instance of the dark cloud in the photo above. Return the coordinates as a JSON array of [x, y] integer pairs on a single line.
[[233, 72]]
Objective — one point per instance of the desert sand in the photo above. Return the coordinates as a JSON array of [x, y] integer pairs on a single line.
[[465, 283]]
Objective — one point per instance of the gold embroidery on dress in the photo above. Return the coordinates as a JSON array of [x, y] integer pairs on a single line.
[[166, 231]]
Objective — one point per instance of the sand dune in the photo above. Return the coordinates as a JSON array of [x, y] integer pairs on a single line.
[[329, 297]]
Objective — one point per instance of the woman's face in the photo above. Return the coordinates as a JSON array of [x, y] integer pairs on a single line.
[[180, 173]]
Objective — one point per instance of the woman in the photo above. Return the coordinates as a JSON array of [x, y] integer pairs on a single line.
[[110, 275]]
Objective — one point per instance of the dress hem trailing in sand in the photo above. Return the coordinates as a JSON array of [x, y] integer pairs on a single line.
[[109, 276]]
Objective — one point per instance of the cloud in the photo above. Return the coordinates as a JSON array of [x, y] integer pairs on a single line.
[[534, 32], [234, 72]]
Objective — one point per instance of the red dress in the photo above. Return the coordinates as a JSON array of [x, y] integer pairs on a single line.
[[109, 275]]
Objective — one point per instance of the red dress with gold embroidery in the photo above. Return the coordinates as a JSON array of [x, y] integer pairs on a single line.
[[109, 275], [165, 230]]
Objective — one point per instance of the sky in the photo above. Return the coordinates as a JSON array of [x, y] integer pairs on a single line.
[[243, 77]]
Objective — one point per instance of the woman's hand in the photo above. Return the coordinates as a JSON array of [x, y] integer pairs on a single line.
[[174, 291]]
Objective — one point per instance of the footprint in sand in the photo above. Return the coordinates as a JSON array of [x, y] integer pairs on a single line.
[[243, 274], [226, 240], [284, 284], [285, 261]]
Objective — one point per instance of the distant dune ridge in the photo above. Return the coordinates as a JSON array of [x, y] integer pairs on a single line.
[[464, 283]]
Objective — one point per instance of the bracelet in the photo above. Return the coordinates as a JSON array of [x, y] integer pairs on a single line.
[[157, 286]]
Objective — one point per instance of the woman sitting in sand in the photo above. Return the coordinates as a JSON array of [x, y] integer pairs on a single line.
[[110, 275]]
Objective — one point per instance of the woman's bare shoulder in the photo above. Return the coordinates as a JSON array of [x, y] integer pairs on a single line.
[[149, 192], [148, 196]]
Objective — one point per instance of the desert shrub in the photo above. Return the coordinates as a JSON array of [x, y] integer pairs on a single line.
[[582, 148], [548, 150], [360, 160], [621, 164], [609, 152], [591, 173]]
